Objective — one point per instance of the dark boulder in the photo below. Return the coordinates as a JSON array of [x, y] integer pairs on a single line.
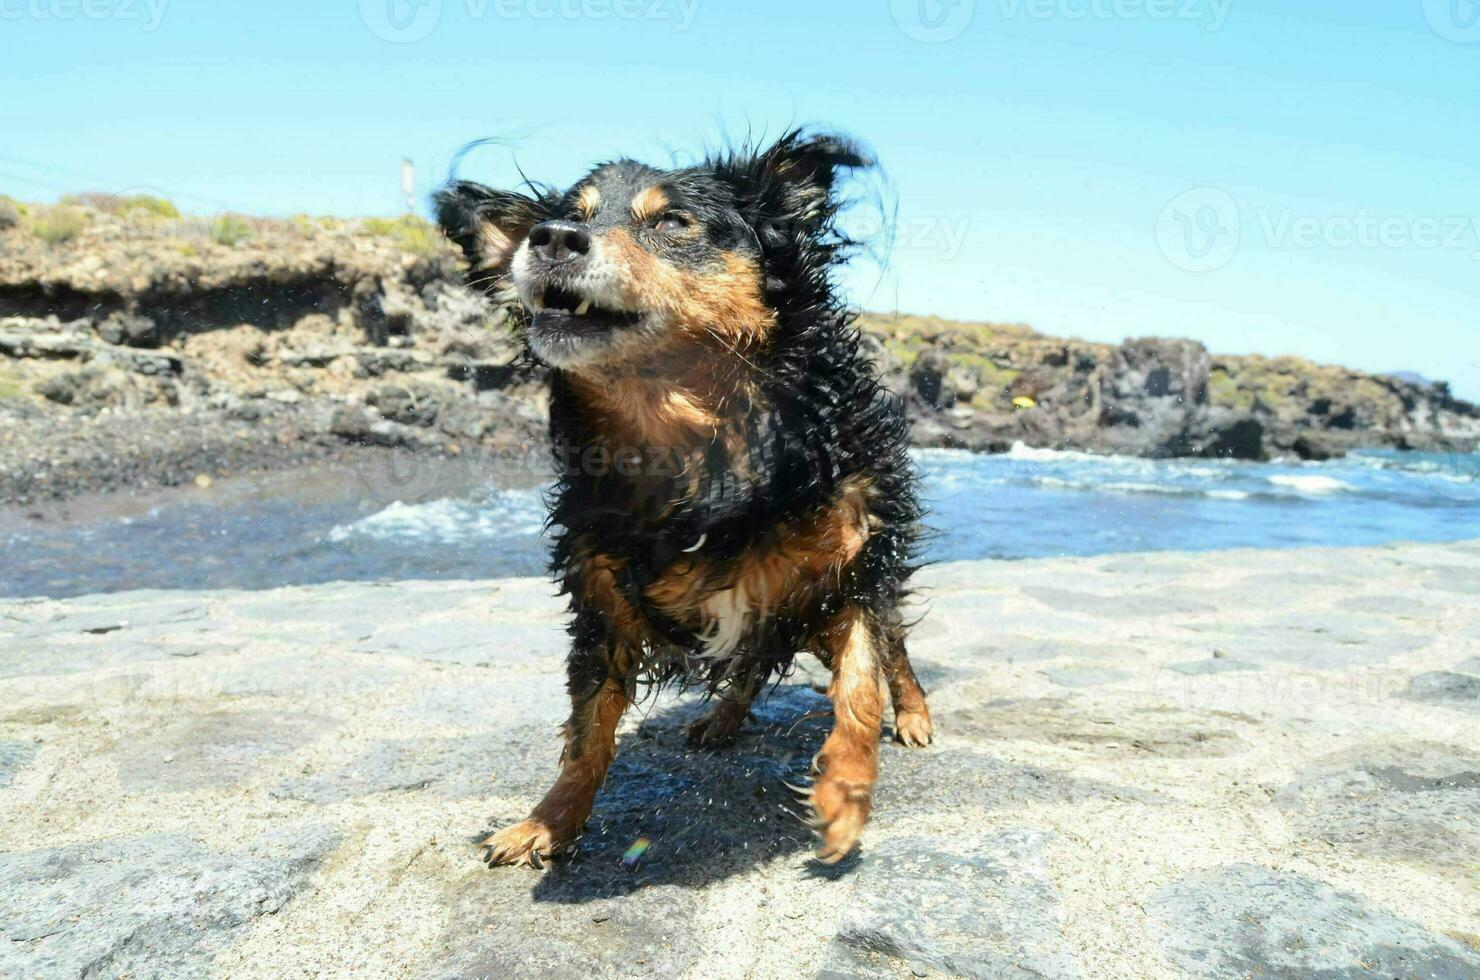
[[1154, 397], [129, 329], [930, 380]]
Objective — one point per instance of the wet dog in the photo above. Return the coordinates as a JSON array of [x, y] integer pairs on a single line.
[[732, 481]]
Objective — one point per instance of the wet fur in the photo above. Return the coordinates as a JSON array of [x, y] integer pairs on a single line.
[[737, 495]]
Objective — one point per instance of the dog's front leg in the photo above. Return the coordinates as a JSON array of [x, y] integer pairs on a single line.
[[849, 761], [599, 698]]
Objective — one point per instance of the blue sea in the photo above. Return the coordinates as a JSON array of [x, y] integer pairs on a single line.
[[361, 524]]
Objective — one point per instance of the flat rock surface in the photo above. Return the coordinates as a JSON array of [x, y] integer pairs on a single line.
[[1231, 765]]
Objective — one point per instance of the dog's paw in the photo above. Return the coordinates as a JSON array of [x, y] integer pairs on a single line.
[[716, 729], [913, 728], [840, 809], [530, 842]]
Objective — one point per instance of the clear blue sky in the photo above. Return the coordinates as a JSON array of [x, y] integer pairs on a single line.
[[1041, 151]]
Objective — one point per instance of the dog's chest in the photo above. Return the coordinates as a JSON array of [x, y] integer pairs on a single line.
[[726, 619], [724, 601]]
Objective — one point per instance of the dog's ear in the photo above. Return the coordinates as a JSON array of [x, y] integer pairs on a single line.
[[792, 181], [487, 224], [810, 164]]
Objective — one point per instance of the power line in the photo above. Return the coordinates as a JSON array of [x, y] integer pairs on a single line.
[[31, 180], [98, 181]]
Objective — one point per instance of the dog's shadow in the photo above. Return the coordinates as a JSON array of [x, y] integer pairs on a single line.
[[672, 814]]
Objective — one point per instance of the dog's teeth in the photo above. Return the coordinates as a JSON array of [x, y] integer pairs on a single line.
[[584, 308]]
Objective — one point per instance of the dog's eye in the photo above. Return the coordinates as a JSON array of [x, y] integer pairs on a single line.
[[672, 223]]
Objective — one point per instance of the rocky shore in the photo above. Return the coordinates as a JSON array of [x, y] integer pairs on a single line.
[[1247, 764], [140, 347]]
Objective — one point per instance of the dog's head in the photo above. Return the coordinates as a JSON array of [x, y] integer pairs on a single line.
[[633, 262]]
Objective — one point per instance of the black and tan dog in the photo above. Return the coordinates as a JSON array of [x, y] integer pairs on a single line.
[[733, 487]]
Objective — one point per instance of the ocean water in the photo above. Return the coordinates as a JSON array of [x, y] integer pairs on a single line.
[[348, 525]]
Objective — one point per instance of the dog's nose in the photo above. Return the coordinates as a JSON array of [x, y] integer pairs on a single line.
[[557, 241]]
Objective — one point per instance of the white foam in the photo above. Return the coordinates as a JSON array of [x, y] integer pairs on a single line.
[[944, 455], [1310, 484], [1023, 451], [1163, 489], [517, 513], [1158, 489]]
